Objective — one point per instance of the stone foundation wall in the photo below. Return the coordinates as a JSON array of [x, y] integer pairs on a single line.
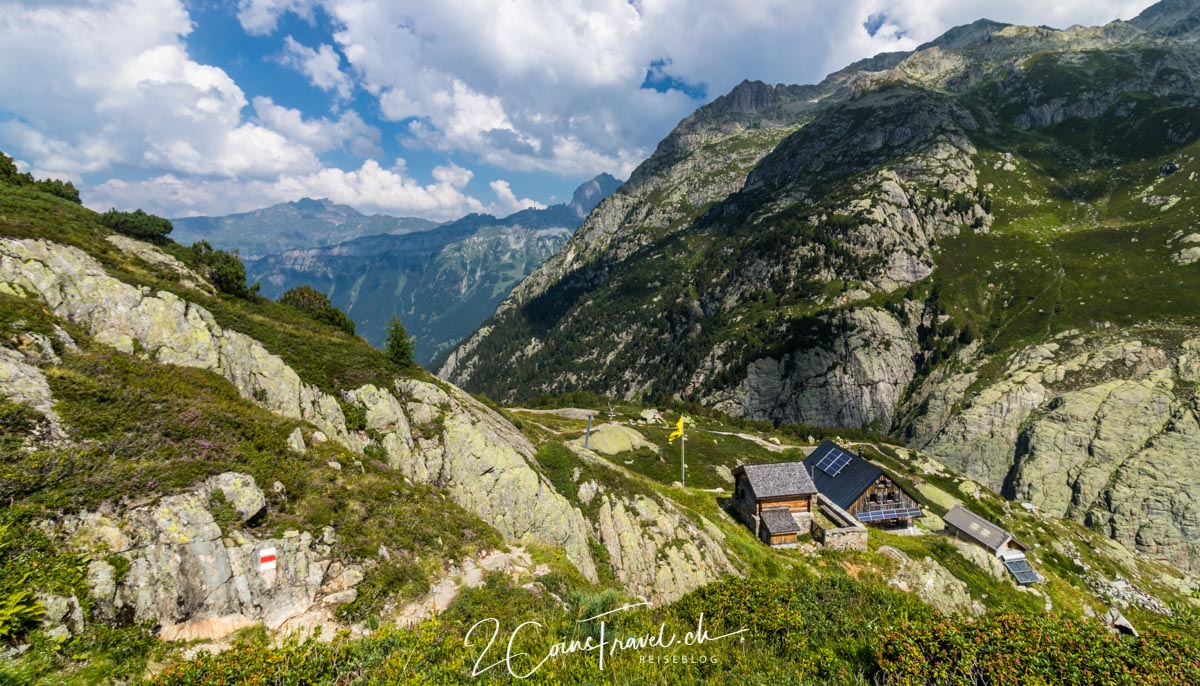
[[835, 528]]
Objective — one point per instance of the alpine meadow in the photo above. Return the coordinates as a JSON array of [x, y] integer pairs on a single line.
[[889, 380]]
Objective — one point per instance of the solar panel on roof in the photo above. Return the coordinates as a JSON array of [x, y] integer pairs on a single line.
[[834, 462], [1022, 571], [892, 513]]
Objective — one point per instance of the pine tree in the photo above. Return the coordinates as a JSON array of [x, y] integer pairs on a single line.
[[399, 347]]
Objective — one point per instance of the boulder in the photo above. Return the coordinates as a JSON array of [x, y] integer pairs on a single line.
[[611, 439]]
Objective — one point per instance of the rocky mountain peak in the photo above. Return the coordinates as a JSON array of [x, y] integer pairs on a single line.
[[314, 204], [591, 192], [1170, 18], [967, 35]]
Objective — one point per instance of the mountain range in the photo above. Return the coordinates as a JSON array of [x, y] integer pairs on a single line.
[[986, 247], [303, 223], [441, 282], [974, 266]]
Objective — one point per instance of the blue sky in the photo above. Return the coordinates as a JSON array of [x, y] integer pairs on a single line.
[[430, 109]]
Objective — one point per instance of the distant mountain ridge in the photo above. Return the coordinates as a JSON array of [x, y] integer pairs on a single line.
[[301, 223], [442, 282]]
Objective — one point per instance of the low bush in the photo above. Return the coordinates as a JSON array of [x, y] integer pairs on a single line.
[[137, 224], [317, 305], [223, 269]]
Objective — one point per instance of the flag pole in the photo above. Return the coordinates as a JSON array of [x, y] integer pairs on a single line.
[[683, 459]]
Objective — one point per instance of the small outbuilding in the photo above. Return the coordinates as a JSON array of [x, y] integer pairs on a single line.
[[775, 500], [861, 487], [966, 525]]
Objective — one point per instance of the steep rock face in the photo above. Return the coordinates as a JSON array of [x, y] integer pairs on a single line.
[[1086, 427], [165, 327], [655, 549], [199, 582], [482, 460], [855, 380], [624, 317], [479, 458]]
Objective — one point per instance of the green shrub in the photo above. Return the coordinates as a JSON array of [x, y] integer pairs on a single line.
[[224, 269], [10, 175], [317, 305], [19, 608], [137, 224], [1026, 649]]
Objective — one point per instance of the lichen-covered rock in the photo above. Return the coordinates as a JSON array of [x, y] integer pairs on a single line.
[[481, 460], [656, 551], [197, 581], [25, 384], [611, 439], [165, 327], [1086, 427], [151, 254], [933, 583]]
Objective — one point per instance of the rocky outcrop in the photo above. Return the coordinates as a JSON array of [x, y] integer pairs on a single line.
[[855, 379], [613, 438], [171, 563], [656, 550], [479, 458], [155, 257], [932, 583], [163, 327], [483, 462], [516, 565], [22, 382], [1085, 427]]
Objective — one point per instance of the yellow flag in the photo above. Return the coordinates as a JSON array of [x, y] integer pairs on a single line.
[[677, 432]]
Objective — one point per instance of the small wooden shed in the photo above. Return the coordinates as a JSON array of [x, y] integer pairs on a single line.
[[966, 525], [775, 500]]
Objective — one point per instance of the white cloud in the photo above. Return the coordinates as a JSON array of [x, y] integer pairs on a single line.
[[507, 201], [370, 188], [260, 17], [320, 134], [112, 85], [531, 85], [322, 66], [557, 86]]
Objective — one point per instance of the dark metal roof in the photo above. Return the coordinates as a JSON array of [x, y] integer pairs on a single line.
[[851, 481], [778, 479], [779, 520], [987, 534]]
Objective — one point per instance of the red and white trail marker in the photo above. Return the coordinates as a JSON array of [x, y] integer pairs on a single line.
[[266, 559]]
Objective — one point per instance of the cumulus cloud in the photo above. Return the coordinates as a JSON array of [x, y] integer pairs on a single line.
[[370, 188], [507, 202], [322, 66], [113, 85], [260, 17], [563, 87], [566, 88], [320, 134]]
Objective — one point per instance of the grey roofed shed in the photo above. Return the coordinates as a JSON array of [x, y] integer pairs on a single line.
[[779, 520], [978, 529], [778, 479]]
